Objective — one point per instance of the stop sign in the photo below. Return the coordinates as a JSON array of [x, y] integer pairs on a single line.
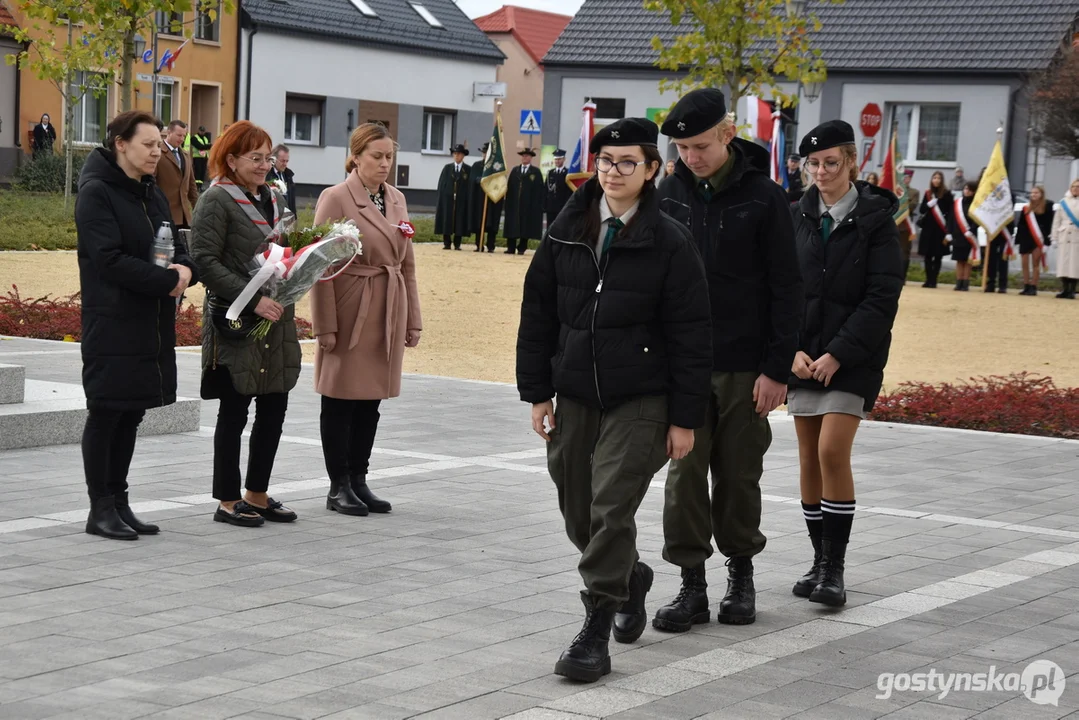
[[871, 119]]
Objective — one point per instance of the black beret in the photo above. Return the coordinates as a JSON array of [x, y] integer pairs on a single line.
[[826, 136], [697, 111], [459, 148], [559, 153], [627, 131]]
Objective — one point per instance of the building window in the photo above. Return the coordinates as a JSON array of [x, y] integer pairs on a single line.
[[207, 27], [437, 132], [165, 108], [91, 111], [608, 110], [364, 8], [303, 120], [927, 133], [426, 15], [169, 23]]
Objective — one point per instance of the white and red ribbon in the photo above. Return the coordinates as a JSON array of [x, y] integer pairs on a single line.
[[407, 229], [1009, 248], [961, 220], [1036, 233], [934, 207]]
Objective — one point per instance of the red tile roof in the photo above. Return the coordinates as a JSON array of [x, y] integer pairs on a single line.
[[534, 29], [7, 19]]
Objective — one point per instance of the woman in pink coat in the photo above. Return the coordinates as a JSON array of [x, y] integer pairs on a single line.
[[363, 319]]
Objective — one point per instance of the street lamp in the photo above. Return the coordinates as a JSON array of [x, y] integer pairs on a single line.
[[140, 46], [811, 90]]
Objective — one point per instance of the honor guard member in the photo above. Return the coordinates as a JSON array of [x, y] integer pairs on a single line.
[[200, 154], [494, 209], [614, 327], [524, 204], [558, 191], [910, 199], [741, 223], [451, 213]]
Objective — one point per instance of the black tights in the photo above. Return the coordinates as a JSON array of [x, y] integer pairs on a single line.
[[348, 434], [108, 443]]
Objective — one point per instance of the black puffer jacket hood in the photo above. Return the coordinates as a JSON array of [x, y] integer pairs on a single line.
[[101, 165]]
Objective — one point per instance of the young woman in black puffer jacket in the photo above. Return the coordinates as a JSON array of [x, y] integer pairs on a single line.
[[616, 322], [848, 248]]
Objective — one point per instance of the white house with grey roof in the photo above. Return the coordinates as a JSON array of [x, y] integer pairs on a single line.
[[948, 74], [312, 70]]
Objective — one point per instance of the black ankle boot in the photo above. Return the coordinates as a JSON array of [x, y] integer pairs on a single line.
[[689, 607], [739, 605], [804, 586], [123, 509], [359, 486], [586, 659], [105, 521], [1069, 293], [831, 590], [631, 618], [343, 499]]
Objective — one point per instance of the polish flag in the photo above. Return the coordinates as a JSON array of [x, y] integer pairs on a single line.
[[759, 118]]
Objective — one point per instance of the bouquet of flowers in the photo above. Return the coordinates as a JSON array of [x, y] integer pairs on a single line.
[[294, 260]]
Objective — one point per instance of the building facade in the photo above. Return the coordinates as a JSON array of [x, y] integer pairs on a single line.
[[310, 75]]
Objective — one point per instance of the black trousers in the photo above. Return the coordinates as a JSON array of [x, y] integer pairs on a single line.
[[200, 165], [996, 265], [490, 241], [108, 443], [456, 240], [265, 437], [518, 245], [348, 434], [932, 269]]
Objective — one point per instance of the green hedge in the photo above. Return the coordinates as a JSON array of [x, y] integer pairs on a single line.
[[45, 173]]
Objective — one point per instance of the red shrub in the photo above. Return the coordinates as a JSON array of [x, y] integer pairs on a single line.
[[1019, 403], [61, 319]]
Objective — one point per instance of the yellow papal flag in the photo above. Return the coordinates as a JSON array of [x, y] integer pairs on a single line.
[[992, 205]]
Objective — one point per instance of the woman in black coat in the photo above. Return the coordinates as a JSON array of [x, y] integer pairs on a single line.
[[44, 136], [964, 234], [616, 322], [128, 312], [934, 238], [852, 267], [1035, 224]]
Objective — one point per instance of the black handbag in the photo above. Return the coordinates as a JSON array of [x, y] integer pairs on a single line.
[[237, 329]]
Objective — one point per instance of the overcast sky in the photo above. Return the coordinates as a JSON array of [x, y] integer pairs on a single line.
[[476, 8]]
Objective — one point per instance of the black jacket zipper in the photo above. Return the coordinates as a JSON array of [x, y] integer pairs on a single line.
[[595, 308]]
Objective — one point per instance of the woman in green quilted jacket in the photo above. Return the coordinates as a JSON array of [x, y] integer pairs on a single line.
[[231, 223]]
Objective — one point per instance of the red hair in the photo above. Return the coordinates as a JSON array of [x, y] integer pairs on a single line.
[[241, 138]]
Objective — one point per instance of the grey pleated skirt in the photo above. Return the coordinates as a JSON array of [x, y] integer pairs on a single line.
[[810, 403]]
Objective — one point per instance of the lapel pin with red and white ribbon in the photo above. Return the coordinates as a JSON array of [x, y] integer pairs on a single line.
[[407, 229]]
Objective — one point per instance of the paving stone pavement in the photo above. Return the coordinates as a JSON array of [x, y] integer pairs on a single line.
[[965, 557]]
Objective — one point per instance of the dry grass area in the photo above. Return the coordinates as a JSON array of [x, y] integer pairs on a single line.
[[471, 308]]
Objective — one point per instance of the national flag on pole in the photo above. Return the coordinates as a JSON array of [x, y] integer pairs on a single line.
[[759, 118], [581, 165], [495, 175], [889, 180], [777, 170], [992, 206], [169, 58]]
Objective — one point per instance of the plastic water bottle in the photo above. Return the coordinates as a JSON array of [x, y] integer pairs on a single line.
[[163, 246]]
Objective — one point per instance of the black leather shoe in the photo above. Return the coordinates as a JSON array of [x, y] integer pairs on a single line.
[[739, 605], [343, 499], [374, 504], [123, 509], [587, 658], [804, 586], [241, 515], [274, 511], [106, 522], [831, 591], [632, 618], [689, 607]]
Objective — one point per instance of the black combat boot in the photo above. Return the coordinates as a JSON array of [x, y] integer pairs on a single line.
[[831, 591], [123, 509], [689, 607], [343, 499], [586, 659], [359, 486], [804, 587], [631, 618], [105, 521], [739, 605]]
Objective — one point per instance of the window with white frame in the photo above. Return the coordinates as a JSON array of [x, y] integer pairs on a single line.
[[165, 108], [303, 120], [424, 13], [926, 132], [169, 23], [207, 27], [91, 111], [364, 8], [437, 131]]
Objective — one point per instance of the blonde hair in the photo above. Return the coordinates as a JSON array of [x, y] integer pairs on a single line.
[[727, 125], [363, 136], [850, 153], [1040, 207]]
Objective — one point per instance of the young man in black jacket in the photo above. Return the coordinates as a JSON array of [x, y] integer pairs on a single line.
[[741, 223]]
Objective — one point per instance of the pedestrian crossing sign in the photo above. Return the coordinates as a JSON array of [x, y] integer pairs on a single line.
[[530, 122]]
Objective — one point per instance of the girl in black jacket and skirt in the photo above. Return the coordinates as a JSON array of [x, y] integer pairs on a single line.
[[933, 217], [964, 234], [1035, 225], [615, 322], [128, 312], [848, 247]]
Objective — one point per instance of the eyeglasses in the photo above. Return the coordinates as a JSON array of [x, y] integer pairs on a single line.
[[258, 159], [830, 166], [624, 167]]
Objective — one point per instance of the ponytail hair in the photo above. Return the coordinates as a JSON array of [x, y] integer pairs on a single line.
[[363, 136]]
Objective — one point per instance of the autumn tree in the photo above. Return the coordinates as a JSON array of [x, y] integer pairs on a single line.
[[746, 46], [1054, 105]]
